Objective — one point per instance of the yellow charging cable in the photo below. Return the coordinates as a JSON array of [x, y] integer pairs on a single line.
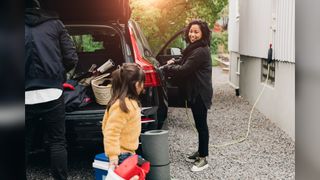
[[249, 121]]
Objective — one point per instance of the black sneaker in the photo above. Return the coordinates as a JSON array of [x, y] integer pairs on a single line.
[[193, 157], [200, 164]]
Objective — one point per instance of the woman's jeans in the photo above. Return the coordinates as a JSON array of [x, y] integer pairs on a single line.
[[53, 115], [199, 112]]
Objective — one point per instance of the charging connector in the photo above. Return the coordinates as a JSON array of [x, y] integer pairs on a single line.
[[270, 52]]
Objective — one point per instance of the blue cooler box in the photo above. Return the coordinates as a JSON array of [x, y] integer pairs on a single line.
[[100, 166]]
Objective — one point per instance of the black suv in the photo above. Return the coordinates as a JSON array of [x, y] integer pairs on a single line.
[[107, 26]]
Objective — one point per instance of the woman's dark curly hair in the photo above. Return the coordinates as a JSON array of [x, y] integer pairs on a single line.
[[206, 32]]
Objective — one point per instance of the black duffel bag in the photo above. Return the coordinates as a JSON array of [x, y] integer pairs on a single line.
[[79, 97]]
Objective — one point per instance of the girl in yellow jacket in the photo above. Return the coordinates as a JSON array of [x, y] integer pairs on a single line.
[[121, 125]]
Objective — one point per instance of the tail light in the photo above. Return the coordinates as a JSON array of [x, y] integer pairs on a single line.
[[146, 120], [152, 78]]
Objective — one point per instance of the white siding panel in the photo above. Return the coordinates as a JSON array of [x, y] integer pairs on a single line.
[[233, 27], [255, 32], [255, 22], [284, 39]]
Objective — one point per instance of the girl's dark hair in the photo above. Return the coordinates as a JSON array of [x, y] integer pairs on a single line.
[[206, 32], [123, 84]]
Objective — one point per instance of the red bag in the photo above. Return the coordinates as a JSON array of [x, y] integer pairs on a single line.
[[132, 166]]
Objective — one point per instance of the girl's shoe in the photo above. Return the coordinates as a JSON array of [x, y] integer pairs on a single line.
[[193, 157], [200, 164]]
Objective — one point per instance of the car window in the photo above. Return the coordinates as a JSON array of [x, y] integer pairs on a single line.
[[95, 39], [138, 40], [176, 46], [86, 43], [96, 44], [143, 44], [147, 50], [128, 50]]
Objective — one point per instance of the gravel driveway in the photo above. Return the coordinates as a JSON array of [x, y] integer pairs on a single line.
[[268, 153]]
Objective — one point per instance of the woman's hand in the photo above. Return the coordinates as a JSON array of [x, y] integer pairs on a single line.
[[113, 164], [171, 61]]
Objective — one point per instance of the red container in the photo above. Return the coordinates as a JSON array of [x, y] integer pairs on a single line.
[[132, 166]]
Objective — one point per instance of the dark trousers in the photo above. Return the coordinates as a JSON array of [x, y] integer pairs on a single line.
[[53, 115], [199, 112]]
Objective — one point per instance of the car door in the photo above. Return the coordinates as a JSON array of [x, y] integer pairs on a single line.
[[173, 49]]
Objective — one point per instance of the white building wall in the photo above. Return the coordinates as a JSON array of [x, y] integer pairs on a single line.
[[233, 26], [283, 12], [233, 42], [234, 73], [255, 22], [260, 23], [267, 21], [278, 102]]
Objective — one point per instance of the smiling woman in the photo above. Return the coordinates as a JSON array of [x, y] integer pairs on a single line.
[[193, 74], [194, 33]]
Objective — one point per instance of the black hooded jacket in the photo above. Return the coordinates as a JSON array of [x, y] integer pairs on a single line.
[[194, 73], [49, 50]]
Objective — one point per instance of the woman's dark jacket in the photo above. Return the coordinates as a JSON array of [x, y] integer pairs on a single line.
[[194, 73], [49, 50]]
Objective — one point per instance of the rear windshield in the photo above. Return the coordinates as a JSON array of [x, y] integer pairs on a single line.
[[95, 45], [87, 43]]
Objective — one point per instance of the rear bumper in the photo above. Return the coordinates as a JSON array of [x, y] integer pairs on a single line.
[[83, 128]]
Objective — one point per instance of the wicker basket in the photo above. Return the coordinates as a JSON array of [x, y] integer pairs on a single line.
[[102, 93]]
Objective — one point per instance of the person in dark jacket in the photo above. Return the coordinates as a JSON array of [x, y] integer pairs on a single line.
[[194, 72], [49, 54]]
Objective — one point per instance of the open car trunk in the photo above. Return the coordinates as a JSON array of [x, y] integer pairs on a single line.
[[100, 31], [97, 28], [95, 45]]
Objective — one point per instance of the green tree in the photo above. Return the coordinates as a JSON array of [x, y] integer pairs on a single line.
[[160, 19], [219, 39]]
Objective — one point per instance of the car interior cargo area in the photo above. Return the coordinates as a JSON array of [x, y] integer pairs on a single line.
[[98, 47]]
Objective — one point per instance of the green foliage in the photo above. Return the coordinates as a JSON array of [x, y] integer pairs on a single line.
[[207, 10], [214, 60], [218, 38], [85, 43], [160, 19]]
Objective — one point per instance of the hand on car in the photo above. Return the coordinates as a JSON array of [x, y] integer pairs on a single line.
[[170, 61], [164, 67]]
